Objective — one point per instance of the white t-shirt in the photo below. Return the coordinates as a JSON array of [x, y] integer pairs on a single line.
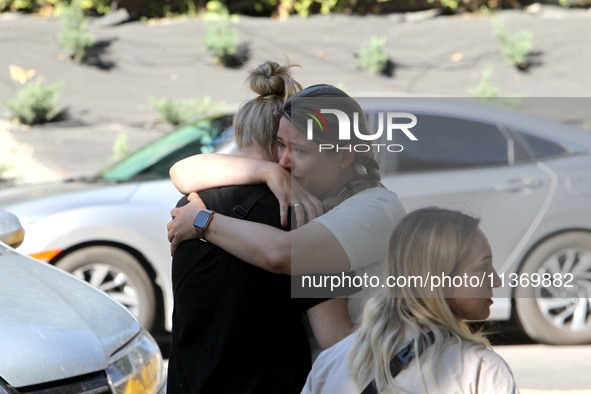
[[363, 224], [469, 368]]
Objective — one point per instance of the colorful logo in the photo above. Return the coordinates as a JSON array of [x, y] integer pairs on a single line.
[[315, 115]]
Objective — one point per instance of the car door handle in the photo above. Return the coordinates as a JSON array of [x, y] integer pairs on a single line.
[[517, 185]]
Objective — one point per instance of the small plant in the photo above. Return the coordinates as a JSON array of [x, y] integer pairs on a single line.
[[74, 37], [485, 88], [514, 48], [490, 94], [453, 5], [120, 148], [101, 7], [221, 37], [183, 110], [372, 57], [35, 103], [18, 6]]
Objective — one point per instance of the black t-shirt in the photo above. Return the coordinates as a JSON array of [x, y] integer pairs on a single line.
[[235, 327]]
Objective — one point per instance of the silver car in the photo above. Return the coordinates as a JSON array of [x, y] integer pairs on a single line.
[[529, 179], [58, 334]]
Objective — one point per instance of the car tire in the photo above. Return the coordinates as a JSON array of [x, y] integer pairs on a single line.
[[117, 273], [552, 313]]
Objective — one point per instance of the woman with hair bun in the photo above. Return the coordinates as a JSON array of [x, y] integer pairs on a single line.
[[235, 327], [424, 329], [257, 120]]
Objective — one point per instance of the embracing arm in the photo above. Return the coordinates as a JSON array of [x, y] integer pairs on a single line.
[[312, 248], [352, 235], [308, 249], [205, 171]]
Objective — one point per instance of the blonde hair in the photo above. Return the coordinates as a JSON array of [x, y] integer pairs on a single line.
[[427, 240], [332, 97], [257, 120]]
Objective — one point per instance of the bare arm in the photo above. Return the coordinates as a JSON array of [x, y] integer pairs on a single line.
[[330, 322], [308, 249], [205, 171], [363, 224]]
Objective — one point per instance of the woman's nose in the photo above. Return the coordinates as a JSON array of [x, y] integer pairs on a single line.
[[285, 160]]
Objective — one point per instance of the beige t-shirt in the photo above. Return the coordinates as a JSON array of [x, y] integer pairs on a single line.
[[363, 224], [466, 368]]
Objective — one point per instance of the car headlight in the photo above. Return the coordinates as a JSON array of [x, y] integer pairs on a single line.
[[138, 367]]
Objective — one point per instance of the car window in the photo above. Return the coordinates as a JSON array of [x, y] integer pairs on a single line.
[[155, 159], [540, 147], [446, 143]]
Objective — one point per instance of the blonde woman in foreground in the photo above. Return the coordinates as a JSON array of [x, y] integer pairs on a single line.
[[429, 323]]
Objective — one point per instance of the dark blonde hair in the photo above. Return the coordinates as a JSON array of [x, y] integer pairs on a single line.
[[257, 120], [332, 97]]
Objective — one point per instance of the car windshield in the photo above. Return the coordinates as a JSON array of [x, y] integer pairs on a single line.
[[155, 159]]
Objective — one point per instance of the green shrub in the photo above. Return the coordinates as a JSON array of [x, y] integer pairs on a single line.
[[485, 88], [514, 47], [35, 103], [484, 6], [21, 5], [74, 37], [221, 40], [99, 6], [120, 148], [183, 110], [221, 37], [372, 56], [490, 94], [305, 8]]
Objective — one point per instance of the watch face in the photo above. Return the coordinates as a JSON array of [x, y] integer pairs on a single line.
[[201, 219]]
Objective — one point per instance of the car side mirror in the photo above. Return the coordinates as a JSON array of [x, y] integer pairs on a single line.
[[11, 231]]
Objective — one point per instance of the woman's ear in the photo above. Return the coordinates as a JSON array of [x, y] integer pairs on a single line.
[[347, 155]]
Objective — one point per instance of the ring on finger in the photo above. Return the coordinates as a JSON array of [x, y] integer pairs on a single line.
[[297, 203]]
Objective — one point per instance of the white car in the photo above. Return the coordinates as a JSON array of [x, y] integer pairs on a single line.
[[60, 335], [528, 179]]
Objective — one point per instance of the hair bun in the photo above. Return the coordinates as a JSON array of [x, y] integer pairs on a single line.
[[271, 78]]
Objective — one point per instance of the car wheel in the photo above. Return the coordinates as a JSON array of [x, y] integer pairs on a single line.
[[558, 310], [118, 274]]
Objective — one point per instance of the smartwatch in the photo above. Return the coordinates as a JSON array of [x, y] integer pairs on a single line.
[[202, 221]]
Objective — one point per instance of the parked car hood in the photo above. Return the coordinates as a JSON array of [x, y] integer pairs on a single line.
[[30, 202], [61, 327]]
